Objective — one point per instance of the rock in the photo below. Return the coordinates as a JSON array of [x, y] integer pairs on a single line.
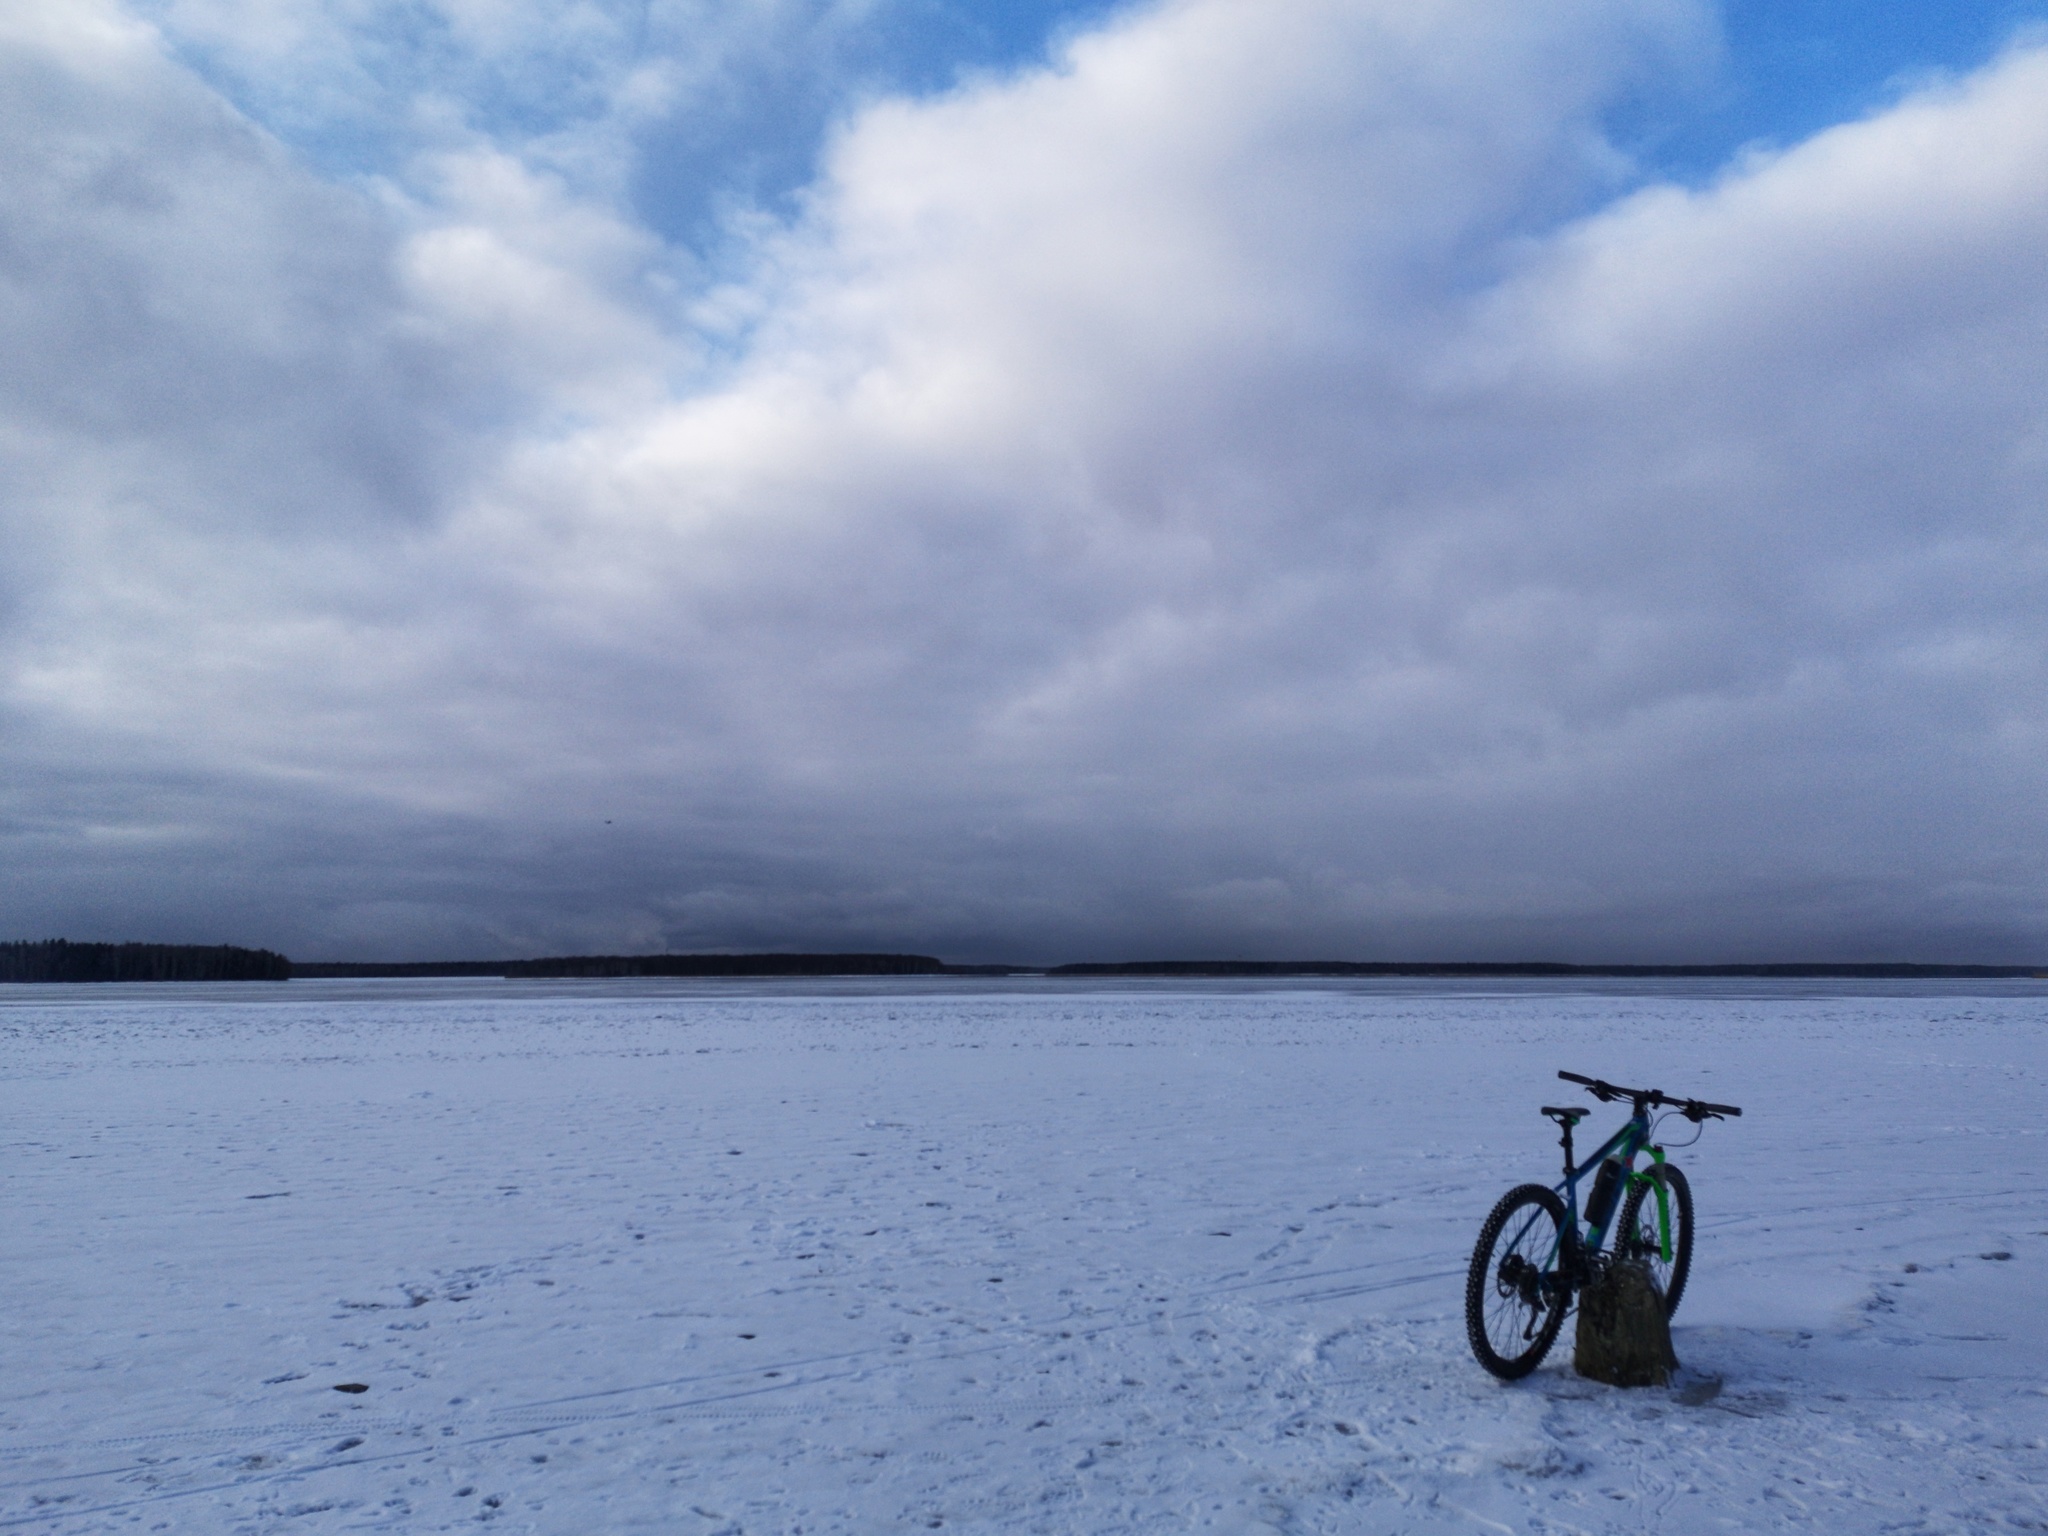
[[1624, 1338]]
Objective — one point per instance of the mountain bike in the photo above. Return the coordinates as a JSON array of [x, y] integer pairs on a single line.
[[1532, 1258]]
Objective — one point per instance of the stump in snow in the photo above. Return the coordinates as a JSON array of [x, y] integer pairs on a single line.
[[1624, 1338]]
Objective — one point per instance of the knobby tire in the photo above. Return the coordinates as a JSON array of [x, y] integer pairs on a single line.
[[1512, 1318]]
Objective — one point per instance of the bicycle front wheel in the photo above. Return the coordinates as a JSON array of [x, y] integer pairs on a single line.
[[1516, 1292], [1639, 1235]]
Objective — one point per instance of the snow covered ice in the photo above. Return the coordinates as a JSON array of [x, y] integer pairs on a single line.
[[621, 1257]]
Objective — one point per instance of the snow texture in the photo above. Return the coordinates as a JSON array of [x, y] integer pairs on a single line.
[[622, 1257]]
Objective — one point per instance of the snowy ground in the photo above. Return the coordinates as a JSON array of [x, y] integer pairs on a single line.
[[1017, 1257]]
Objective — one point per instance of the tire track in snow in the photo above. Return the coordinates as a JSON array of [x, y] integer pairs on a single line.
[[1039, 1332]]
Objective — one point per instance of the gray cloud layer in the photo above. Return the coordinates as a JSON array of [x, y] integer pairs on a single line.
[[1254, 488]]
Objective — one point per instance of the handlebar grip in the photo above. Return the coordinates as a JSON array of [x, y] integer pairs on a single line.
[[1697, 1110], [1573, 1077]]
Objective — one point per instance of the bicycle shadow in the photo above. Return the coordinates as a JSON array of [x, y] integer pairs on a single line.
[[1750, 1372], [1762, 1371]]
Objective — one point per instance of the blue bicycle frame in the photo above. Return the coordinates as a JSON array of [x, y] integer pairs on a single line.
[[1624, 1145]]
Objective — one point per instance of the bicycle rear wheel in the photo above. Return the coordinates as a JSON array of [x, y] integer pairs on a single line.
[[1515, 1291], [1637, 1236]]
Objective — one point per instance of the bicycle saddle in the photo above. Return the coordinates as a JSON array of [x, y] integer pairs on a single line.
[[1570, 1115]]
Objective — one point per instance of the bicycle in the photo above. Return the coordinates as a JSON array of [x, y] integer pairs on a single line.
[[1531, 1259]]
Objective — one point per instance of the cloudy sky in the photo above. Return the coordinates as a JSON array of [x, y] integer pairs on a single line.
[[1037, 480]]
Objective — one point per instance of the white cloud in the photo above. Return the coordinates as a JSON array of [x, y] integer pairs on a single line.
[[1210, 494]]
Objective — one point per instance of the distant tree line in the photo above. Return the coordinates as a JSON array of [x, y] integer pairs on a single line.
[[1879, 971], [729, 965], [317, 970], [61, 960], [592, 966]]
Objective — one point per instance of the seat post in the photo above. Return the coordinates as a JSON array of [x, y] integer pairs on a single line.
[[1565, 1121]]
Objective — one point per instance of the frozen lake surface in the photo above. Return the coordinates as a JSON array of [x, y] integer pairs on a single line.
[[663, 1257]]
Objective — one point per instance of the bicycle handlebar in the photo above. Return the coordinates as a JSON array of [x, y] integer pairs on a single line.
[[1695, 1110]]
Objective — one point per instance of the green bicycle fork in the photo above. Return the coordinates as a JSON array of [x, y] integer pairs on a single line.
[[1663, 1201]]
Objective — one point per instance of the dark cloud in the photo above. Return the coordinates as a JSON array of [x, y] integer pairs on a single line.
[[1211, 496]]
